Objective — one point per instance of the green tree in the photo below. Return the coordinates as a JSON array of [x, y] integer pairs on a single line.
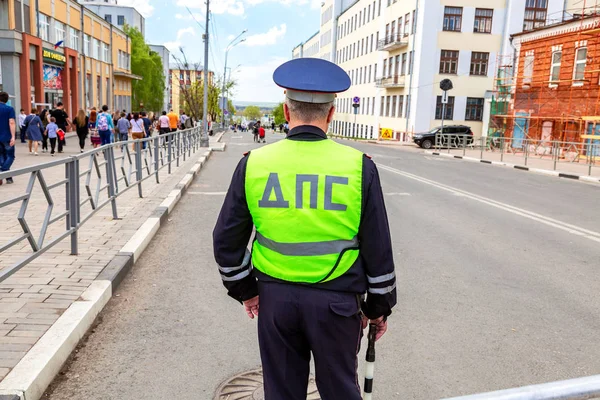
[[147, 64], [278, 115], [231, 108], [252, 112]]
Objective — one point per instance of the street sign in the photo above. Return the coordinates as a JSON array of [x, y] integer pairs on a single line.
[[356, 100], [387, 133], [445, 97], [446, 84]]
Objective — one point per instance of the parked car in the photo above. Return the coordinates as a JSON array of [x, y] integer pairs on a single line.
[[427, 140]]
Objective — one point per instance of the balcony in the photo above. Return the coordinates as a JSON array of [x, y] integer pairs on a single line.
[[393, 42], [395, 81]]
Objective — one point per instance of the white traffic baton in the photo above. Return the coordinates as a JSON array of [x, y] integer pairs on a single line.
[[370, 363]]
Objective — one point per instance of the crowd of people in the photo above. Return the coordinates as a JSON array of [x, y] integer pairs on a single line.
[[49, 128]]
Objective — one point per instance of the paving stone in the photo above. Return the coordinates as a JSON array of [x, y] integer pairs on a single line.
[[45, 317], [34, 296], [28, 281], [28, 327], [33, 310], [4, 372], [59, 303], [63, 297], [76, 292], [23, 334], [11, 355], [9, 363], [15, 347]]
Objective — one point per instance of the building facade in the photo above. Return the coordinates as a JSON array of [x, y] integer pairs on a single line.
[[165, 55], [63, 52], [397, 52], [116, 14], [183, 79], [556, 87]]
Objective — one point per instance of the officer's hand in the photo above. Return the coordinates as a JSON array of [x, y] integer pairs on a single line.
[[380, 325], [251, 307]]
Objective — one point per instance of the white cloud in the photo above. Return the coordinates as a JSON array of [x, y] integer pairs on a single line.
[[173, 46], [233, 7], [189, 30], [255, 82], [143, 6], [190, 17], [268, 38]]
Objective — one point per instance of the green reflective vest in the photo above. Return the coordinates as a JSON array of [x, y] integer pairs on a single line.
[[305, 199]]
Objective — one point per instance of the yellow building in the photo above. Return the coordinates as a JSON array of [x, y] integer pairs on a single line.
[[182, 79], [62, 52]]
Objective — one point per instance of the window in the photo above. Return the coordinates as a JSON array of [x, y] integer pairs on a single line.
[[414, 24], [373, 105], [411, 60], [367, 107], [105, 53], [399, 25], [360, 75], [483, 20], [387, 106], [86, 45], [439, 107], [384, 68], [59, 31], [400, 105], [406, 24], [528, 66], [382, 109], [393, 30], [108, 18], [120, 20], [379, 8], [390, 62], [44, 27], [452, 18], [371, 43], [479, 63], [407, 108], [97, 50], [474, 109], [369, 74], [580, 61], [393, 106], [535, 14], [403, 68], [449, 62], [555, 67], [73, 39]]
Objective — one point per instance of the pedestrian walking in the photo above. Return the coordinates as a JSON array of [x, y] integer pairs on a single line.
[[94, 136], [314, 254], [173, 120], [62, 121], [182, 119], [52, 133], [22, 127], [261, 134], [8, 128], [105, 126], [137, 128], [164, 124], [82, 128], [33, 131], [123, 127], [45, 118]]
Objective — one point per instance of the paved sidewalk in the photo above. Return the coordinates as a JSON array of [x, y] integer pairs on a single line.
[[533, 161], [33, 298]]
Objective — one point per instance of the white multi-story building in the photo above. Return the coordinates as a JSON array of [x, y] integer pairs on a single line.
[[116, 14], [396, 52], [165, 55]]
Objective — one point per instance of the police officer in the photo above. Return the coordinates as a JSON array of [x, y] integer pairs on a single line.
[[322, 240]]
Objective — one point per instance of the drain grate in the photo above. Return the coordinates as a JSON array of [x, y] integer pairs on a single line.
[[249, 386]]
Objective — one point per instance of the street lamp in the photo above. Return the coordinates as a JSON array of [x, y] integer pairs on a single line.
[[230, 46], [226, 97]]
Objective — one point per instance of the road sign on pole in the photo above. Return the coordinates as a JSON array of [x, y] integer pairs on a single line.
[[356, 100]]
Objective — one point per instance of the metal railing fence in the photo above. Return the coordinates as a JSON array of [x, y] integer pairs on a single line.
[[585, 153], [92, 180], [571, 389]]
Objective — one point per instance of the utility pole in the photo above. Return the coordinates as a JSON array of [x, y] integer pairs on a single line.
[[223, 97], [204, 135]]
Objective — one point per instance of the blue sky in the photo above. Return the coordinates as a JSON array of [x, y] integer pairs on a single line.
[[274, 28]]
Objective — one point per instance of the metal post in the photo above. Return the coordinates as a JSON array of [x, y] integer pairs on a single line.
[[170, 149], [138, 166], [526, 151], [442, 129], [204, 142], [111, 179], [72, 197], [223, 104], [178, 144], [464, 145], [555, 151], [481, 140], [502, 144], [156, 141]]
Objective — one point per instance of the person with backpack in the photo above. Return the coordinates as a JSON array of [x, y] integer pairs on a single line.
[[104, 125], [63, 122], [94, 137]]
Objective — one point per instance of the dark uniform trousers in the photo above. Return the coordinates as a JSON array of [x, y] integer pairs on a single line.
[[295, 320]]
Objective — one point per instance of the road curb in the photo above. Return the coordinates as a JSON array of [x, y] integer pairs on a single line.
[[540, 171], [31, 376]]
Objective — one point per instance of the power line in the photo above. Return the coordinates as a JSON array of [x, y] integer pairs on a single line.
[[194, 18]]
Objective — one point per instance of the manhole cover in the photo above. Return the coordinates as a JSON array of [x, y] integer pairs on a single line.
[[249, 386]]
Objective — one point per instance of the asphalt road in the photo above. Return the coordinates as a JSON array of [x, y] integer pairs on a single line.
[[497, 281]]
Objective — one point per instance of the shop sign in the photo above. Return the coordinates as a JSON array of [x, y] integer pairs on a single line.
[[52, 77], [53, 56]]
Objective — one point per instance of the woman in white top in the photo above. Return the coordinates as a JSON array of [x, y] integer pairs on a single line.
[[163, 122], [137, 128]]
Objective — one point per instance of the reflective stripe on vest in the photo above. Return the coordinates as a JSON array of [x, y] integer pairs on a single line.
[[305, 199]]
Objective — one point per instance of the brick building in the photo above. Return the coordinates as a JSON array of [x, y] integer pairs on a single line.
[[556, 88]]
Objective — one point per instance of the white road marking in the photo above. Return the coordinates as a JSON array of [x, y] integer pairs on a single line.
[[236, 137], [398, 194], [573, 229], [209, 193]]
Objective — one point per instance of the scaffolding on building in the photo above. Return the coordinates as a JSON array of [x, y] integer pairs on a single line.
[[530, 107]]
